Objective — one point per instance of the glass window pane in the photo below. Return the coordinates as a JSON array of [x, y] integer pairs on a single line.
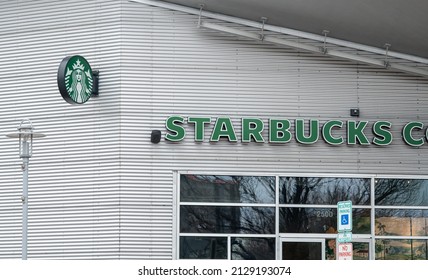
[[403, 249], [403, 192], [306, 190], [196, 247], [228, 189], [248, 248], [360, 251], [320, 220], [227, 219], [419, 249], [401, 222]]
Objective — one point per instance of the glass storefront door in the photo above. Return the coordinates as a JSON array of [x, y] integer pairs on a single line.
[[303, 249]]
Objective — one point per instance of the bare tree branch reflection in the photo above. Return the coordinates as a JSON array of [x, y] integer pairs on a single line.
[[324, 191], [248, 248], [192, 247], [233, 189], [227, 219], [312, 190], [401, 192], [229, 189]]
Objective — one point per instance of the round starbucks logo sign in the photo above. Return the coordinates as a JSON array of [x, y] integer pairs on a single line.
[[75, 79]]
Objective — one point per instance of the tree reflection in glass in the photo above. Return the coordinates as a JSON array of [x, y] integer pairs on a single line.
[[250, 248], [201, 247], [313, 190], [227, 189], [401, 192], [227, 219]]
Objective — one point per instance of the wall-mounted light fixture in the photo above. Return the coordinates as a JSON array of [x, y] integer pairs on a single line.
[[355, 112], [96, 75], [155, 136]]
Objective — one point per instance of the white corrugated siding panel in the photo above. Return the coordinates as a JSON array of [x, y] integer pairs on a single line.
[[74, 173]]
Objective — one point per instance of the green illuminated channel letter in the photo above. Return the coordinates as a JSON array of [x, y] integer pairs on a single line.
[[326, 132], [252, 128], [383, 136], [279, 131], [223, 128], [355, 132], [407, 134], [199, 126], [313, 131], [173, 124]]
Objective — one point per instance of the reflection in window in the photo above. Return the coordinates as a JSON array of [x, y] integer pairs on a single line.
[[248, 248], [305, 250], [233, 189], [330, 249], [360, 251], [402, 249], [401, 192], [401, 222], [307, 220], [306, 190], [227, 219], [195, 247], [320, 220]]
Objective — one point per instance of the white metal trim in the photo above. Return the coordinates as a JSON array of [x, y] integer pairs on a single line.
[[175, 216], [294, 174], [322, 206], [401, 237], [372, 218], [399, 207], [229, 247], [220, 204], [252, 235], [277, 241], [320, 235]]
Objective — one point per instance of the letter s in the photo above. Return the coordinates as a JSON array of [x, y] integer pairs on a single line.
[[173, 125]]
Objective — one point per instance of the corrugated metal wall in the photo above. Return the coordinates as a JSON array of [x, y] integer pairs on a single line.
[[170, 67], [99, 188], [74, 172]]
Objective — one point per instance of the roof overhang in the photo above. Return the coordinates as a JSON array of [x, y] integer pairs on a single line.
[[324, 43], [402, 24]]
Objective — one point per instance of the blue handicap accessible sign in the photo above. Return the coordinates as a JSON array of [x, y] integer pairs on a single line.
[[344, 219], [344, 216]]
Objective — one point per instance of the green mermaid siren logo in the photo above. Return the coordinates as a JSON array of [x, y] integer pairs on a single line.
[[75, 79]]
